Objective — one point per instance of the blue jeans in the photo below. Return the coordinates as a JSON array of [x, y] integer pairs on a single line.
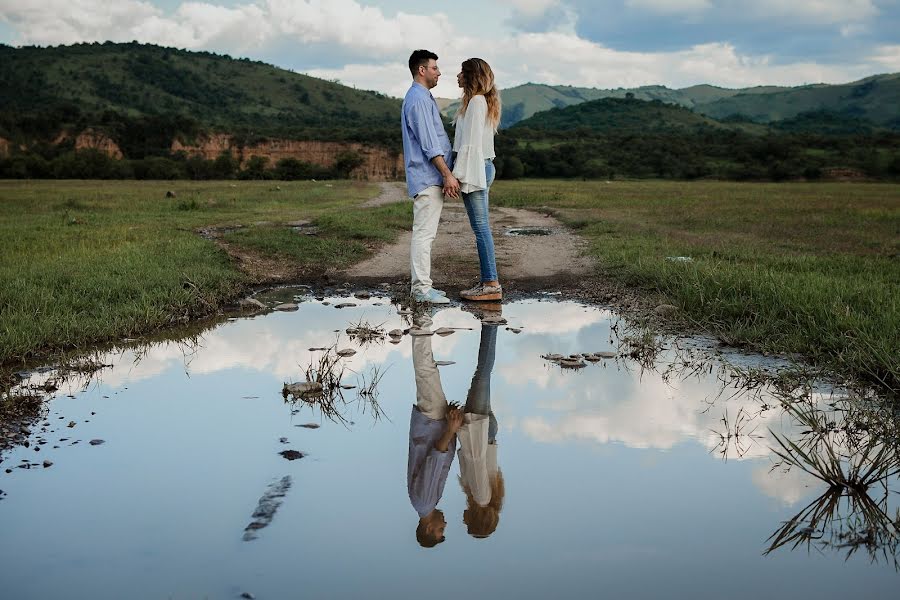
[[477, 209], [478, 401]]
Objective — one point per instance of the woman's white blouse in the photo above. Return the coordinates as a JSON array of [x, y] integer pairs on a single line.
[[473, 143]]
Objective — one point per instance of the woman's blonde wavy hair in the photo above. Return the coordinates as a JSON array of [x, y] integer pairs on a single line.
[[478, 79], [482, 521]]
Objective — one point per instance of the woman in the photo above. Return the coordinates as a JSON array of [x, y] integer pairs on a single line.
[[473, 143]]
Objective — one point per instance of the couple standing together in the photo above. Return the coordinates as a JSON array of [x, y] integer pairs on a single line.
[[435, 169]]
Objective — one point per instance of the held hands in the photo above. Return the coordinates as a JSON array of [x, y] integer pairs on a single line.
[[451, 186], [454, 418]]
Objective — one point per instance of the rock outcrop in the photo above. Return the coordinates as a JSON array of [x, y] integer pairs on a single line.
[[378, 163], [98, 141]]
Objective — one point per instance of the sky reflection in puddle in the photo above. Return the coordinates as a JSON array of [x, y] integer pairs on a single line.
[[618, 480]]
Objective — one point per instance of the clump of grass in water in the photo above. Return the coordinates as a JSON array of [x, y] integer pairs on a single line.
[[366, 333], [853, 459], [328, 396]]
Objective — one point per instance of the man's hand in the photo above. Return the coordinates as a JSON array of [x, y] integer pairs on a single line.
[[454, 419], [451, 186]]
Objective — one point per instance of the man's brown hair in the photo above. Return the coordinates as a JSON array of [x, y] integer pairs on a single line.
[[420, 58]]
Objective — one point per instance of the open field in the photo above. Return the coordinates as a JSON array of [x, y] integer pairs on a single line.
[[806, 268], [87, 261], [789, 268]]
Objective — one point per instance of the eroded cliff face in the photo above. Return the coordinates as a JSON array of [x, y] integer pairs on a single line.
[[379, 163], [98, 141]]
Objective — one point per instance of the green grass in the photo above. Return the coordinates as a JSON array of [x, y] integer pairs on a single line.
[[86, 262], [808, 268]]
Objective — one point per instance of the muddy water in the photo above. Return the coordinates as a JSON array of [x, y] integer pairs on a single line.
[[619, 479]]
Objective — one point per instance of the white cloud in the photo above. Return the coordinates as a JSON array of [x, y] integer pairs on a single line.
[[888, 57], [376, 45], [532, 8], [669, 6], [559, 58], [810, 11]]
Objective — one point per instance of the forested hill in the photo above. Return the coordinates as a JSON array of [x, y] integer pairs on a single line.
[[875, 99], [135, 92], [624, 115]]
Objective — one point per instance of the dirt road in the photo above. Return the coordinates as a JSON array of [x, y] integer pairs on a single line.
[[524, 262]]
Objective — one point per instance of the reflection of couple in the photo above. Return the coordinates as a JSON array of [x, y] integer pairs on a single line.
[[434, 428]]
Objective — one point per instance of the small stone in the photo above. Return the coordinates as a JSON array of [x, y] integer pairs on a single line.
[[345, 305], [363, 295], [97, 442], [352, 331], [309, 425], [346, 352], [569, 363], [444, 363], [492, 320], [287, 307], [348, 387], [71, 424], [395, 340], [404, 311], [291, 454], [514, 329], [301, 388], [665, 310], [417, 331], [47, 463], [605, 354], [443, 331], [248, 595], [251, 304], [395, 333], [283, 440], [317, 349], [553, 357]]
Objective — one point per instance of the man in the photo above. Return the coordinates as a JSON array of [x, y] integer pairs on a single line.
[[428, 155], [433, 426]]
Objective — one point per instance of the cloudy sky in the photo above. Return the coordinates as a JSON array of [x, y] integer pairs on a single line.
[[596, 43]]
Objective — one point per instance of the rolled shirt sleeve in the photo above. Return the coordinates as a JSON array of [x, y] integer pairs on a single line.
[[469, 146]]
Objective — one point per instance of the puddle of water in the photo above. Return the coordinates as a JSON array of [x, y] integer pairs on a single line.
[[515, 231], [211, 483]]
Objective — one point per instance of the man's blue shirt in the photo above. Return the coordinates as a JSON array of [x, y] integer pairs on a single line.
[[423, 139]]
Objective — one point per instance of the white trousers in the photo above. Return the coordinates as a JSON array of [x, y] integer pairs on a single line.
[[427, 206], [430, 398]]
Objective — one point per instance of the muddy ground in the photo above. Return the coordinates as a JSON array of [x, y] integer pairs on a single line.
[[527, 264]]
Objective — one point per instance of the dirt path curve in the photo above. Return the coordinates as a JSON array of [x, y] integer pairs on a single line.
[[526, 262]]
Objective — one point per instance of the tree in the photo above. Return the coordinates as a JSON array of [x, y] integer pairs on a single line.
[[513, 168]]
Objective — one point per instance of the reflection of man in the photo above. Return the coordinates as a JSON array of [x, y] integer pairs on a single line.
[[427, 154], [432, 443]]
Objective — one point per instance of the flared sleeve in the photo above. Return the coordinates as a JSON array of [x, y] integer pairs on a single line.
[[469, 146]]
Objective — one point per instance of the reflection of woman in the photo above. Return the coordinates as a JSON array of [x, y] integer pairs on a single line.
[[433, 426], [473, 143], [480, 477]]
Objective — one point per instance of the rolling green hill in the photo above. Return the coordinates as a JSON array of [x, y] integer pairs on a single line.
[[134, 90], [622, 116], [875, 99]]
